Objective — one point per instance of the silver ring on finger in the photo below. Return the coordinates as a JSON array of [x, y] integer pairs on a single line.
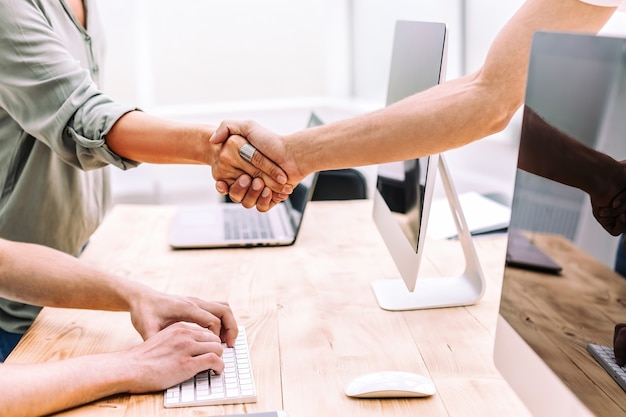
[[247, 151]]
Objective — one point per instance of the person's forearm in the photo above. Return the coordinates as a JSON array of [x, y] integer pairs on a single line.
[[140, 137], [550, 153], [41, 389], [165, 359], [454, 113], [430, 122], [39, 275]]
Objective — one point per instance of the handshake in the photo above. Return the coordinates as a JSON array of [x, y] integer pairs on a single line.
[[259, 168], [249, 176]]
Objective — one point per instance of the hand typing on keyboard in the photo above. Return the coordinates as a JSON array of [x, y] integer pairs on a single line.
[[172, 355], [234, 384]]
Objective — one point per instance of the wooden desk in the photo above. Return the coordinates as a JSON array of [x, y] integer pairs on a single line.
[[311, 317], [559, 315]]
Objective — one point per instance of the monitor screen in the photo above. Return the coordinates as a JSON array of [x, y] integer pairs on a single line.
[[417, 63], [572, 143]]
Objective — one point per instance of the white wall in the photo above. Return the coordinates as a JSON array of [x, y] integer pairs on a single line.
[[373, 29], [468, 39], [484, 20], [165, 52], [468, 42]]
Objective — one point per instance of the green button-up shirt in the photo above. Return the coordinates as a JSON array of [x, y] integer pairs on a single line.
[[53, 122]]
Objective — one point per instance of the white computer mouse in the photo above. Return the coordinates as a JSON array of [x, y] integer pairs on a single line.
[[390, 384]]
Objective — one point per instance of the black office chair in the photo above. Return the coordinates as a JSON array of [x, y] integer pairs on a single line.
[[340, 184], [337, 184]]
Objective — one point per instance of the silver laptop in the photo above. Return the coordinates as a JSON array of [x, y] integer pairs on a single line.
[[231, 225]]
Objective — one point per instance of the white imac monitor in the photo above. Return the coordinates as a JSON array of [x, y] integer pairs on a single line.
[[404, 189], [572, 148]]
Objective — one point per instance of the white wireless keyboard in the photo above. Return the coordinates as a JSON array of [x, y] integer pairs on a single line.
[[233, 386]]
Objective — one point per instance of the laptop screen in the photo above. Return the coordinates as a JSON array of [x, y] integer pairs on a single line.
[[297, 201], [303, 192]]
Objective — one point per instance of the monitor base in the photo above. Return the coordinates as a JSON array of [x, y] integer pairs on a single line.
[[434, 292], [393, 295]]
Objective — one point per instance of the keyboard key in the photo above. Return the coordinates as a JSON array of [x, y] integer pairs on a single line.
[[249, 224]]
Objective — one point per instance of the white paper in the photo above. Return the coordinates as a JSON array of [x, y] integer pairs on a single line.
[[481, 214]]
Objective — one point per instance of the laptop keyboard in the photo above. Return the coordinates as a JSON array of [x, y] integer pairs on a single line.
[[233, 386], [249, 224], [605, 357]]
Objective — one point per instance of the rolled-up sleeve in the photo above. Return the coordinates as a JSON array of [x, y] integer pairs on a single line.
[[45, 90], [84, 134], [621, 4]]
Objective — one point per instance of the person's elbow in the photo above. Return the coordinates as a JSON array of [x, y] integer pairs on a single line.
[[502, 118], [501, 97]]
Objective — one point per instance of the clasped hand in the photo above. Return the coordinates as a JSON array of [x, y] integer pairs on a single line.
[[268, 178]]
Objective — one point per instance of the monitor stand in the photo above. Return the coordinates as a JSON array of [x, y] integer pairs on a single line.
[[430, 292]]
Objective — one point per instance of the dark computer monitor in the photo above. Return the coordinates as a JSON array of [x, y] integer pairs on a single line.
[[573, 135], [418, 62], [404, 190]]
